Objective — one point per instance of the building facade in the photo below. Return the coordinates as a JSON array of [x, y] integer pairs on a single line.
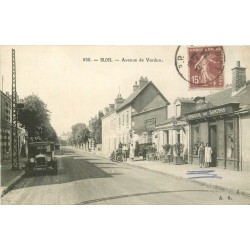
[[5, 125], [175, 129], [6, 116], [222, 119], [134, 119]]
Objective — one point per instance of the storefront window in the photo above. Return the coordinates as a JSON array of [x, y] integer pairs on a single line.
[[230, 139], [196, 139]]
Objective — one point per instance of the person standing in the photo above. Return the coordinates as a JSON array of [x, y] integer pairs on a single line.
[[208, 155], [144, 152], [124, 152], [132, 152], [201, 154]]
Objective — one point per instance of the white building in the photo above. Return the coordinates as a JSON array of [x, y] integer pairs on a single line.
[[175, 129], [133, 119]]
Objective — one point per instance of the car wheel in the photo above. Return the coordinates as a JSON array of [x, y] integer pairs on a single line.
[[119, 158]]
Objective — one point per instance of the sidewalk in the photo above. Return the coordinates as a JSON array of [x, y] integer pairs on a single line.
[[10, 178], [222, 179]]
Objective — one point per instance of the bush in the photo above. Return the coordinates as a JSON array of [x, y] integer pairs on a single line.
[[178, 148], [167, 148], [151, 149]]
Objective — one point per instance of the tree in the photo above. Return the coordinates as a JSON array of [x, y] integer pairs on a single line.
[[77, 134], [35, 118], [86, 137], [49, 134], [97, 129], [80, 135]]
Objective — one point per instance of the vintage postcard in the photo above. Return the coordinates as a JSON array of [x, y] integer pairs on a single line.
[[125, 125]]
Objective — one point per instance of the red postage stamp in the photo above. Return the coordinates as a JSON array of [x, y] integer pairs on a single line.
[[206, 67]]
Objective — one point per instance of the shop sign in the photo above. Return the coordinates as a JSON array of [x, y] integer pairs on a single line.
[[211, 112], [150, 122]]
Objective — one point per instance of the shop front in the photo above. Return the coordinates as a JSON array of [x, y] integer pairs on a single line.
[[171, 134], [219, 127]]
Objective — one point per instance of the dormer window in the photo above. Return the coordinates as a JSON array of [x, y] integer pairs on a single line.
[[178, 110]]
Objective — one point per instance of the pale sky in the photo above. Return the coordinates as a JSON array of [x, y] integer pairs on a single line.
[[75, 90]]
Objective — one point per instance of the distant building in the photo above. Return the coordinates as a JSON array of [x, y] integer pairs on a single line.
[[135, 118], [65, 136]]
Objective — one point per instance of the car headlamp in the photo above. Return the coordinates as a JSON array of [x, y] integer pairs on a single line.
[[32, 160]]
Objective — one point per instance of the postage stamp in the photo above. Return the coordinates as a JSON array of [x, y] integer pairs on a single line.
[[201, 66]]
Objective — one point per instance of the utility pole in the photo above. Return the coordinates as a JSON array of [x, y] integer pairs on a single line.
[[14, 132]]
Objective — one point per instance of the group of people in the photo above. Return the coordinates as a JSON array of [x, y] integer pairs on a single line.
[[128, 151], [205, 155]]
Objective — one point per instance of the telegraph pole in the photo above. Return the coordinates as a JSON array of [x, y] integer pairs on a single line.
[[14, 132]]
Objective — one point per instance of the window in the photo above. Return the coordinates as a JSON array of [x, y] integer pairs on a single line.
[[119, 121], [196, 138], [178, 110], [230, 139], [166, 137], [127, 119], [123, 119]]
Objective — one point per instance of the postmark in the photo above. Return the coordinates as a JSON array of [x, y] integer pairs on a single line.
[[201, 66]]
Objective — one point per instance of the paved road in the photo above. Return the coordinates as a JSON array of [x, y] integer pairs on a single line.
[[89, 179]]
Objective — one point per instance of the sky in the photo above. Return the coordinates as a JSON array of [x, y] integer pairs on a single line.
[[75, 90]]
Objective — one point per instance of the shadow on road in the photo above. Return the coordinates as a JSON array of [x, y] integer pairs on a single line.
[[138, 194], [71, 168]]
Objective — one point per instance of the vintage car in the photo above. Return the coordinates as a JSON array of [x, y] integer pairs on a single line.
[[41, 158]]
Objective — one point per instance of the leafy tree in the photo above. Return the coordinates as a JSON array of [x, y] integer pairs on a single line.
[[49, 134], [35, 118], [86, 135], [97, 131], [80, 135]]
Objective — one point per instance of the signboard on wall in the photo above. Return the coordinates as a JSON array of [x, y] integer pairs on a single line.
[[211, 112], [150, 124]]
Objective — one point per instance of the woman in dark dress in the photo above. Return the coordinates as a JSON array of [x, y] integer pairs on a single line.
[[201, 154]]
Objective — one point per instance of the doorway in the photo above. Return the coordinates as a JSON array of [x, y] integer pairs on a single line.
[[213, 143]]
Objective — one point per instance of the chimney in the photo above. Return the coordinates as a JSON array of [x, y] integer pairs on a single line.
[[106, 110], [143, 82], [7, 94], [135, 87], [239, 77], [100, 114], [111, 107], [118, 101]]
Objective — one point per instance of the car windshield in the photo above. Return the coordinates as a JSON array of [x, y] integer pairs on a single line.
[[39, 149]]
